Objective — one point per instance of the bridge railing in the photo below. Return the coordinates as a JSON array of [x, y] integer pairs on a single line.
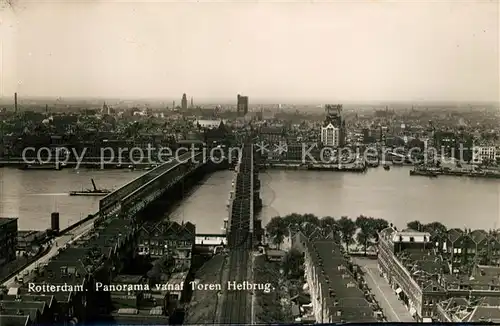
[[138, 182], [131, 197]]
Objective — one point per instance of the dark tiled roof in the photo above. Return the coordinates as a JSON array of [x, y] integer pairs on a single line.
[[485, 314], [32, 313], [14, 320], [47, 299], [455, 234], [72, 264], [486, 309], [272, 130], [340, 289], [478, 236], [7, 220]]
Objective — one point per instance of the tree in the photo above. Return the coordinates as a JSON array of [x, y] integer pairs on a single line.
[[437, 231], [379, 225], [329, 225], [293, 264], [415, 225], [327, 222], [347, 228], [277, 229], [369, 228], [362, 222], [294, 218], [363, 238], [435, 227], [310, 218]]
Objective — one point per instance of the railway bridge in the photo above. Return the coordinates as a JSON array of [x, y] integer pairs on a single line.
[[137, 194], [243, 234]]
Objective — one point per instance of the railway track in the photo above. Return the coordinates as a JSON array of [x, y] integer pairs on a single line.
[[236, 305]]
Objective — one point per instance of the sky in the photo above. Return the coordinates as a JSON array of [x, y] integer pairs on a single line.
[[285, 50]]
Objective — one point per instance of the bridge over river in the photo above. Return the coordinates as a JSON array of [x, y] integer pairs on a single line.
[[243, 234], [134, 196]]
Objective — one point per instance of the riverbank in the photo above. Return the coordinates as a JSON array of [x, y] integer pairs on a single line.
[[23, 165], [456, 173], [315, 167]]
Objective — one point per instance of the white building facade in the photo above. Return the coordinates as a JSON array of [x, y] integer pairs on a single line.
[[330, 136], [481, 154]]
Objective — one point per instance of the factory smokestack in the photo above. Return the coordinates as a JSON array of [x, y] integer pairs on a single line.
[[15, 102]]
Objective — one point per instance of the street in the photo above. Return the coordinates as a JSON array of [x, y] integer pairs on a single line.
[[394, 309], [61, 242]]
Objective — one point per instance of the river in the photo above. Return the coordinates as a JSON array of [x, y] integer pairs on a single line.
[[392, 195], [32, 195]]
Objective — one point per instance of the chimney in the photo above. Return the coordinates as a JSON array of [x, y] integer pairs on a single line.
[[15, 102]]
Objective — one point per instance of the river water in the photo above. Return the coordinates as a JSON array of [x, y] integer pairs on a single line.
[[32, 195], [392, 195]]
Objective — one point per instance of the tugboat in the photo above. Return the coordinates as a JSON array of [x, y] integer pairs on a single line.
[[387, 167], [91, 192]]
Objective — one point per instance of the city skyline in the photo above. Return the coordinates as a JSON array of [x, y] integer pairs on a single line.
[[340, 52]]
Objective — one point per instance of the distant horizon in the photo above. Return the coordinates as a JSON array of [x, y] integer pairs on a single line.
[[230, 101]]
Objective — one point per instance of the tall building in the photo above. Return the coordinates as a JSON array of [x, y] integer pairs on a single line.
[[330, 136], [105, 109], [333, 129], [15, 102], [242, 108], [184, 102], [192, 103], [8, 240]]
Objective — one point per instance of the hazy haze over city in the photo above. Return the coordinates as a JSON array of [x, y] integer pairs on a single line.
[[302, 51]]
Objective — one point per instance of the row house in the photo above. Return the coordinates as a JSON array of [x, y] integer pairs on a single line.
[[27, 310], [76, 269], [464, 246], [485, 154], [272, 135], [168, 238], [469, 310], [394, 266], [334, 289], [424, 273], [331, 279]]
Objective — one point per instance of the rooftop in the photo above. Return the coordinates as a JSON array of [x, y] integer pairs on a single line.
[[346, 301], [16, 320], [170, 230], [19, 310], [131, 316], [7, 220], [128, 279], [486, 309], [72, 264], [46, 299]]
